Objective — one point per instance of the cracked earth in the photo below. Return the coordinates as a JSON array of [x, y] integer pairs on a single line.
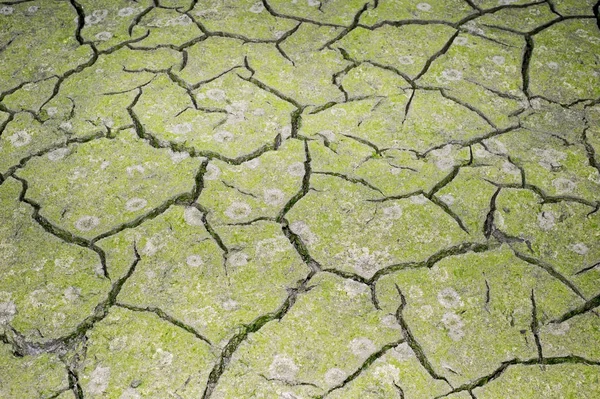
[[299, 199]]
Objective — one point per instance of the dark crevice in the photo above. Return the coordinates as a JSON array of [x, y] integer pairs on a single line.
[[487, 296], [443, 206], [584, 308], [596, 11], [527, 53], [588, 268], [487, 120], [303, 189], [74, 384], [535, 327], [591, 152], [435, 56], [459, 249], [273, 91], [488, 226], [80, 21]]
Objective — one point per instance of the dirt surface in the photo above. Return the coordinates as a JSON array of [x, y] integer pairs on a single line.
[[290, 199]]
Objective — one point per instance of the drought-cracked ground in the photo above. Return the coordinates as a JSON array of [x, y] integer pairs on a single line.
[[299, 199]]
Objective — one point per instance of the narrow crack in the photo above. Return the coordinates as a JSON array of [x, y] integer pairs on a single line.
[[247, 329], [584, 308], [364, 366], [547, 361], [58, 232], [413, 343], [535, 328], [347, 30], [551, 271], [166, 317], [23, 347]]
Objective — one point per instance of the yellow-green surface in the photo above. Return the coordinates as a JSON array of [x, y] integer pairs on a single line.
[[289, 199]]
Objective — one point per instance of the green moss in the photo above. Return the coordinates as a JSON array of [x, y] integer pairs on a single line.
[[248, 18], [31, 377], [140, 354], [48, 286], [557, 381], [447, 10], [561, 66], [333, 326], [343, 230], [406, 47], [83, 191], [202, 286], [452, 314]]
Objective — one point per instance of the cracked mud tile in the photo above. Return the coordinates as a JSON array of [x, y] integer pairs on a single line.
[[234, 118], [246, 18], [134, 355], [555, 166], [369, 80], [73, 191], [555, 381], [36, 39], [210, 58], [516, 19], [566, 73], [563, 235], [23, 137], [254, 117], [388, 172], [438, 120], [473, 301], [469, 194], [396, 368], [42, 376], [168, 28], [308, 38], [106, 22], [416, 11], [344, 231], [212, 286], [257, 189], [331, 12], [31, 96], [575, 7], [64, 282], [140, 61], [572, 336], [97, 97], [564, 122], [308, 81], [481, 75], [325, 337], [407, 48], [374, 120]]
